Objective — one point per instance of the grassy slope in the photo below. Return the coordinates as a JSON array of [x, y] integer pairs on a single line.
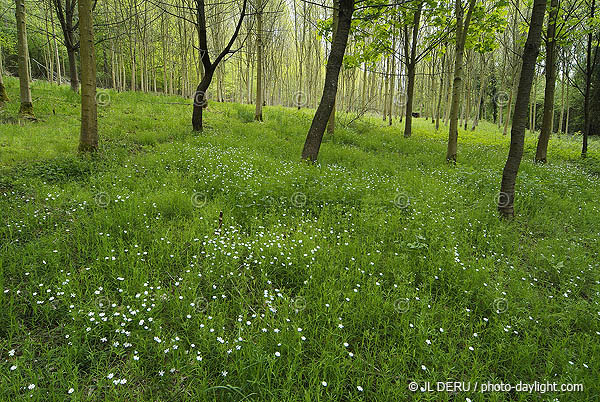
[[345, 273]]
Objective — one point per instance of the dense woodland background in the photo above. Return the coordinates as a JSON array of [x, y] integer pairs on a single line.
[[152, 46]]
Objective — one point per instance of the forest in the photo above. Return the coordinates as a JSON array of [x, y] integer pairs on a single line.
[[286, 200]]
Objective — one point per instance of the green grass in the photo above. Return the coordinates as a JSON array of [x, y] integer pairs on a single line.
[[347, 272]]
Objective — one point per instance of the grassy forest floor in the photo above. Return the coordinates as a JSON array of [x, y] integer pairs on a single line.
[[347, 280]]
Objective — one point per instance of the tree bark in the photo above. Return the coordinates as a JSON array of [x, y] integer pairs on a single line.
[[392, 82], [545, 132], [88, 139], [334, 63], [73, 69], [517, 135], [589, 70], [439, 103], [411, 66], [65, 18], [562, 101], [482, 85], [336, 21], [209, 68], [3, 95], [26, 109], [259, 67], [461, 37]]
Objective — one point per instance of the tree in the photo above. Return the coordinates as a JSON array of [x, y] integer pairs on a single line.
[[334, 63], [259, 62], [336, 21], [66, 18], [589, 71], [209, 68], [3, 95], [88, 139], [26, 109], [554, 34], [462, 27], [411, 65], [517, 135]]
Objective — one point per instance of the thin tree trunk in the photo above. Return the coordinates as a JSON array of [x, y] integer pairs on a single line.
[[55, 45], [562, 101], [568, 110], [209, 68], [461, 37], [259, 67], [73, 69], [392, 83], [26, 109], [88, 139], [589, 71], [411, 66], [547, 120], [334, 63], [439, 104], [336, 21], [482, 85], [3, 95], [517, 135]]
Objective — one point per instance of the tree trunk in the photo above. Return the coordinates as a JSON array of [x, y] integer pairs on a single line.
[[392, 82], [88, 139], [259, 67], [334, 63], [517, 135], [200, 101], [568, 109], [209, 68], [56, 55], [3, 95], [562, 101], [482, 85], [439, 103], [336, 22], [545, 132], [589, 71], [461, 37], [26, 109], [411, 67], [73, 69]]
